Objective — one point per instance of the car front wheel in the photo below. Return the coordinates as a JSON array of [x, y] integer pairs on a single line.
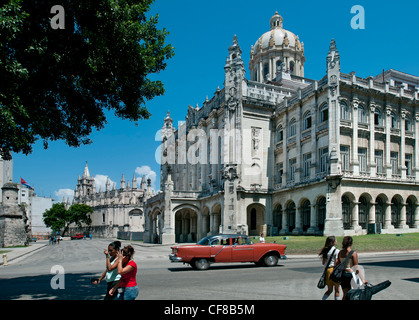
[[201, 264], [270, 260]]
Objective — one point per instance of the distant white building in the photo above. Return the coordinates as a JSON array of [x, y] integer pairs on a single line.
[[116, 212], [35, 206]]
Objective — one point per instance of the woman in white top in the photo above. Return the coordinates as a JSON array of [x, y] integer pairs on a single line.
[[328, 250], [111, 273]]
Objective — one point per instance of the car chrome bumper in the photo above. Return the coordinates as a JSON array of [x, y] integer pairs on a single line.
[[173, 258], [283, 257]]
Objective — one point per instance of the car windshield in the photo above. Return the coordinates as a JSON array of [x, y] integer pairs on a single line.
[[205, 241]]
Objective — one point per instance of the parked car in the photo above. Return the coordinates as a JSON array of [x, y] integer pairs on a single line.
[[228, 248], [77, 236]]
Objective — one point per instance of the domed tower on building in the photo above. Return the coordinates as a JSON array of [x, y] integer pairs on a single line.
[[277, 50]]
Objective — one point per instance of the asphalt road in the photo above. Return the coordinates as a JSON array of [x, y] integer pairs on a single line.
[[35, 276]]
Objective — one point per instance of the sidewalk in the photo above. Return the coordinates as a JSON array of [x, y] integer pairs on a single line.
[[14, 253]]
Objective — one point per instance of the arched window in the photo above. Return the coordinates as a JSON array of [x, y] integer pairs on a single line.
[[291, 216], [321, 213], [324, 113], [395, 212], [279, 134], [253, 219], [393, 123], [363, 212], [408, 124], [277, 217], [410, 211], [378, 118], [346, 213], [292, 67], [278, 65], [292, 128], [345, 113], [265, 71], [307, 120], [362, 115], [305, 210], [379, 211]]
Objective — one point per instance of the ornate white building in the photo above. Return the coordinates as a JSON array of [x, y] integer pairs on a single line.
[[116, 212], [281, 153]]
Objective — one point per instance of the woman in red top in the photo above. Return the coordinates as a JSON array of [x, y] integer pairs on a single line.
[[127, 268]]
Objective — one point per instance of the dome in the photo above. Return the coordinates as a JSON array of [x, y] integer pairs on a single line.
[[278, 49], [277, 36]]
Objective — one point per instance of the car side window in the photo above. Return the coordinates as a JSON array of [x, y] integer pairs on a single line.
[[215, 242]]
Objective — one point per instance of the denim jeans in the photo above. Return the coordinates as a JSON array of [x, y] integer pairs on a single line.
[[130, 293]]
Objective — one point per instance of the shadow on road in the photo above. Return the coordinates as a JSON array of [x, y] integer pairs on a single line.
[[411, 264], [223, 267], [77, 286]]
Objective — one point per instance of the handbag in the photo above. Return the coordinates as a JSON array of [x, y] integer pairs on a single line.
[[336, 275], [322, 282]]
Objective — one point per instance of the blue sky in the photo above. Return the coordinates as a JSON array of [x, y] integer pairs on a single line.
[[201, 32]]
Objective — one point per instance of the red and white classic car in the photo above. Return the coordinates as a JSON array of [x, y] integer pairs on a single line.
[[228, 248]]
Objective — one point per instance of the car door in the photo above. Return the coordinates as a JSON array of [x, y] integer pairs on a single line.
[[242, 250], [221, 249]]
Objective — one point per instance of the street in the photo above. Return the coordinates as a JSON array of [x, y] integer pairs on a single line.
[[35, 276]]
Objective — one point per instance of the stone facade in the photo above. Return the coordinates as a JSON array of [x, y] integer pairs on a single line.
[[283, 154], [13, 220]]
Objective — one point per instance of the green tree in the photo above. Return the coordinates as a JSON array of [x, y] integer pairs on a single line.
[[59, 218], [56, 84]]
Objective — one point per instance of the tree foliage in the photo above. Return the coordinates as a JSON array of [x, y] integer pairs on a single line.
[[59, 218], [56, 84]]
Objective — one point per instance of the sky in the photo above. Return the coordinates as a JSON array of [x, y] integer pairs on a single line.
[[201, 32]]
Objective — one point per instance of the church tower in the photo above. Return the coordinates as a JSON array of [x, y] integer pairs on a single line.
[[85, 185]]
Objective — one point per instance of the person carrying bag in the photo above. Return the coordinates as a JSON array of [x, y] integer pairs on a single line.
[[329, 255]]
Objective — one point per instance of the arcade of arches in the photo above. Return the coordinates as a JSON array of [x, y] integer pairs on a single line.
[[295, 217]]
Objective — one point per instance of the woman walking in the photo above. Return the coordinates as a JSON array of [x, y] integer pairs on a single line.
[[330, 252], [352, 264], [127, 268], [111, 273]]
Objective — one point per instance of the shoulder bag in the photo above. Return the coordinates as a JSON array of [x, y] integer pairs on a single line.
[[336, 275], [322, 282]]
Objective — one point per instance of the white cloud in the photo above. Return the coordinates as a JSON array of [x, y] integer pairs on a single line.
[[148, 173], [100, 182], [64, 193]]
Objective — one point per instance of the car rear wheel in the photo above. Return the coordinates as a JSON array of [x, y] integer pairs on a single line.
[[201, 264], [270, 260]]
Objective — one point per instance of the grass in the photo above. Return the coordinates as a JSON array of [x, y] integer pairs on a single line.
[[366, 243]]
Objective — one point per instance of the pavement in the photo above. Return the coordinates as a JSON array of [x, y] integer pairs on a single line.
[[15, 253]]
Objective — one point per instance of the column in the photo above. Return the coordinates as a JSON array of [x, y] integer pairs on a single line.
[[371, 213], [355, 162], [402, 224], [355, 216], [313, 219], [372, 164], [416, 216], [284, 222], [416, 149], [402, 147], [387, 217], [298, 221], [387, 153]]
